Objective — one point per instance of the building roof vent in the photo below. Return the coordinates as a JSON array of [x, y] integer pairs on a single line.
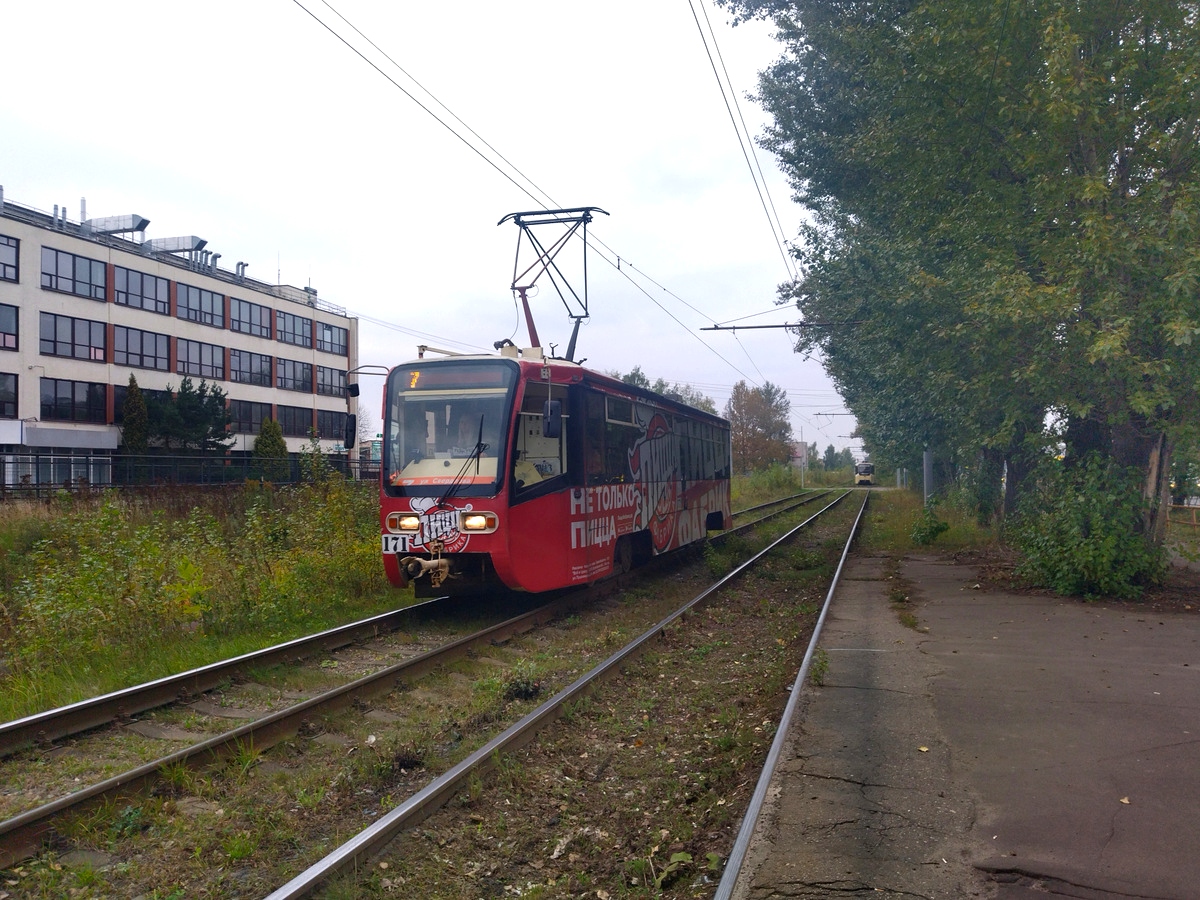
[[174, 244], [117, 224]]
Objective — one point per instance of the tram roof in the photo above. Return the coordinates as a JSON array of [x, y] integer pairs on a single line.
[[590, 376]]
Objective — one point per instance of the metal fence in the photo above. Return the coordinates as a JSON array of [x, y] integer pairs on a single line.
[[44, 474]]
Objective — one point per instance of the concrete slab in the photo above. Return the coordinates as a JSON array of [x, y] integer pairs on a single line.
[[866, 799], [1014, 746], [1079, 728]]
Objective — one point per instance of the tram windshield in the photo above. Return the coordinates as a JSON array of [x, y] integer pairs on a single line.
[[444, 426]]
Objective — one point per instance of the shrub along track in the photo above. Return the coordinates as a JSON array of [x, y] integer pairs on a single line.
[[49, 772], [43, 728]]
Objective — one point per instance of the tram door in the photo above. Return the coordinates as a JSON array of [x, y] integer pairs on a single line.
[[611, 433], [596, 552]]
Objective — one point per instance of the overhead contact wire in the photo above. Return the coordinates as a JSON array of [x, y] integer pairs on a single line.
[[493, 164], [410, 96], [741, 142], [774, 215]]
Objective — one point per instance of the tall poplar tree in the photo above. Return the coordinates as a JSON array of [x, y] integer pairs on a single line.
[[1005, 201]]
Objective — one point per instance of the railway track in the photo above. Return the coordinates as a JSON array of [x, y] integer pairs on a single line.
[[43, 728], [357, 854], [24, 833]]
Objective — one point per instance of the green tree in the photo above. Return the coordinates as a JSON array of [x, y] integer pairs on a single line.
[[635, 376], [814, 457], [684, 393], [163, 419], [271, 452], [760, 431], [314, 464], [205, 416], [135, 428], [192, 418], [830, 459], [1005, 199]]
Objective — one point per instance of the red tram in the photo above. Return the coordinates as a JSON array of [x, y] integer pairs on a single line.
[[538, 474]]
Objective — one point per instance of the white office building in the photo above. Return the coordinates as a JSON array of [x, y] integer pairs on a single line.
[[85, 304]]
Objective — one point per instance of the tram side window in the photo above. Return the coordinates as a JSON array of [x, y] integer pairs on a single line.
[[610, 435], [538, 457]]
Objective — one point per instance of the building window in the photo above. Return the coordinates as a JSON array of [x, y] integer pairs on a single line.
[[197, 305], [249, 318], [9, 256], [196, 358], [332, 338], [74, 338], [73, 401], [141, 291], [73, 274], [249, 368], [331, 382], [8, 327], [331, 424], [121, 392], [294, 376], [8, 396], [295, 421], [293, 329], [141, 349], [246, 417]]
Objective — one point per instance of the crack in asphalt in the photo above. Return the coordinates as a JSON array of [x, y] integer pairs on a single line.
[[849, 888], [1051, 885]]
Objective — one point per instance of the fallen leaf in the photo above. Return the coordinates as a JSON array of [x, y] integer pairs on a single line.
[[923, 749], [1125, 800]]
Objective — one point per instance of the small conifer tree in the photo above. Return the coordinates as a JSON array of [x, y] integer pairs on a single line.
[[135, 432], [271, 453]]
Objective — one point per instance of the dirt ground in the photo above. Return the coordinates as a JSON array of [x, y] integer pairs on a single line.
[[1179, 593]]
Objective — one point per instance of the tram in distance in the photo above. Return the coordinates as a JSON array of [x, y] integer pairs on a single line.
[[535, 473], [864, 473]]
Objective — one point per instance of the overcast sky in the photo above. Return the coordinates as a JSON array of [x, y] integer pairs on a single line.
[[254, 127]]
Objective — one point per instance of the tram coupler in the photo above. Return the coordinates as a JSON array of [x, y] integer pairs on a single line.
[[414, 567]]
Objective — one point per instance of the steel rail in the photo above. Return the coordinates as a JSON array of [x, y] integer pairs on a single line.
[[750, 509], [749, 526], [435, 794], [76, 717], [63, 721], [737, 856], [22, 835]]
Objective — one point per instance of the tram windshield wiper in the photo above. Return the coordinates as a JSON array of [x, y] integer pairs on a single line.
[[476, 453]]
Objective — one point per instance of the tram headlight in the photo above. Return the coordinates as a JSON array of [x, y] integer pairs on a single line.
[[408, 523], [477, 522]]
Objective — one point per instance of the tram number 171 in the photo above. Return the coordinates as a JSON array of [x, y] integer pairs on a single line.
[[397, 543]]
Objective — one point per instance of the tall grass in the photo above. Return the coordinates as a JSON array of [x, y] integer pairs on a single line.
[[764, 485], [105, 592], [897, 521]]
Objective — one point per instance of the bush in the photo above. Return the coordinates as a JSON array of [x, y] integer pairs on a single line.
[[927, 528], [112, 585], [1080, 531]]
